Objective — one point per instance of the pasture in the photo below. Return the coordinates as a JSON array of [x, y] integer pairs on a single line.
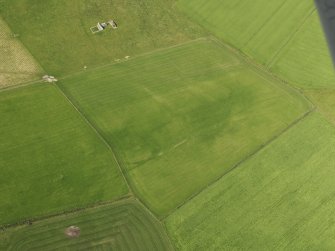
[[50, 159], [180, 118], [324, 99], [305, 61], [280, 199], [120, 226], [285, 36], [57, 32], [16, 64]]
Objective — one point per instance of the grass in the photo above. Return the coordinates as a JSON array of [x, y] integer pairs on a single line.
[[285, 36], [180, 118], [306, 61], [121, 226], [324, 99], [16, 64], [234, 21], [57, 32], [50, 159], [280, 199]]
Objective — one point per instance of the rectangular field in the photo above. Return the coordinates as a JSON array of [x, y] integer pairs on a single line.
[[121, 226], [280, 199], [57, 32], [50, 159], [180, 118]]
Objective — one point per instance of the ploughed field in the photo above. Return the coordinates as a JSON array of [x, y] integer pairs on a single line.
[[195, 125]]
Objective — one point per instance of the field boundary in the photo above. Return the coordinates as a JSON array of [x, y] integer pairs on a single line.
[[262, 70], [5, 227], [99, 136], [40, 69], [274, 13], [246, 158], [275, 56]]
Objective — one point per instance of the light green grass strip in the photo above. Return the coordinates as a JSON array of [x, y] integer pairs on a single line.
[[280, 199], [50, 159], [180, 118]]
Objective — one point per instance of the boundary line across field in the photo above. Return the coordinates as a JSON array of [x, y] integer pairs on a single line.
[[246, 158], [275, 56], [88, 122], [29, 221]]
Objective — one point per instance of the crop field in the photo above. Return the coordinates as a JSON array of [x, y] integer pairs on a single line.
[[185, 115], [16, 64], [192, 125], [50, 159], [286, 36], [305, 62], [121, 226], [324, 99], [280, 199], [57, 32]]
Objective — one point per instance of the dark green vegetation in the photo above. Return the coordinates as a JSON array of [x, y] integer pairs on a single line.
[[50, 158], [121, 226], [180, 118], [280, 199], [57, 32], [283, 35]]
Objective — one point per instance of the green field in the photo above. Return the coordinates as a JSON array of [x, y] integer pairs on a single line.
[[280, 199], [16, 64], [286, 36], [195, 125], [57, 32], [50, 159], [306, 62], [121, 226], [180, 118], [324, 99]]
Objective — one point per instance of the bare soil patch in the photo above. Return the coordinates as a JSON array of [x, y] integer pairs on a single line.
[[72, 232]]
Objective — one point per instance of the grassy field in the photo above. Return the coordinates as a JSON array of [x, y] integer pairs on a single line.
[[234, 21], [324, 99], [180, 118], [50, 159], [305, 61], [16, 64], [121, 226], [57, 32], [284, 35], [280, 199]]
